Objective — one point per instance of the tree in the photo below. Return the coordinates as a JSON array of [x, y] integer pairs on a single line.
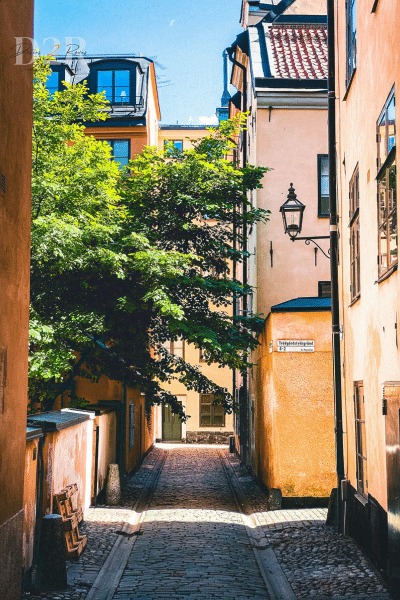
[[124, 261]]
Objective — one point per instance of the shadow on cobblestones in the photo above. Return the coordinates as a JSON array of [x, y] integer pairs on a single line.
[[195, 545]]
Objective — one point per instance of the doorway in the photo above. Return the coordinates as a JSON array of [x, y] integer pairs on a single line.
[[392, 433], [171, 425]]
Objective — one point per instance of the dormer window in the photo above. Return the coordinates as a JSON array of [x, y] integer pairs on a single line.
[[116, 85], [53, 82]]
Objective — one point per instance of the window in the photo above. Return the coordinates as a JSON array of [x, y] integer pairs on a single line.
[[178, 144], [52, 84], [354, 214], [323, 185], [131, 426], [351, 25], [116, 85], [387, 179], [361, 452], [211, 415], [121, 151], [324, 289], [178, 348]]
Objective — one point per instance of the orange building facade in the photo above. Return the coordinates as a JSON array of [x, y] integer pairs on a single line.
[[367, 81], [15, 193]]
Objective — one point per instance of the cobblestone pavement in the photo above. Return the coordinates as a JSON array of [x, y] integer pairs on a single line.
[[317, 562], [194, 543], [101, 525]]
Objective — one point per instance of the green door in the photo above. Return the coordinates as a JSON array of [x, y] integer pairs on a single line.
[[171, 425]]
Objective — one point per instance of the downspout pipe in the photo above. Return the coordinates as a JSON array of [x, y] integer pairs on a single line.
[[244, 396], [337, 377]]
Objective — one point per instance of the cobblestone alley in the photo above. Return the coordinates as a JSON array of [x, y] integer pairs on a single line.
[[200, 529]]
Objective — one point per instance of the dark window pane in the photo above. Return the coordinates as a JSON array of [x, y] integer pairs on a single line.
[[122, 78], [104, 79], [121, 148], [52, 82], [324, 205]]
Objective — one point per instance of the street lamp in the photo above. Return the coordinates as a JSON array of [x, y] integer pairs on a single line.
[[292, 214]]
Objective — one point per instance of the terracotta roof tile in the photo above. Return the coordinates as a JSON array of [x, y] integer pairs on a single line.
[[299, 51]]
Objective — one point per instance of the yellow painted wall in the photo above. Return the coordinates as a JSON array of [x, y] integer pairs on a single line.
[[181, 134], [294, 407]]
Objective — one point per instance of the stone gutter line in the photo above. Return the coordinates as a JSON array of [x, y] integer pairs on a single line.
[[112, 570], [275, 580]]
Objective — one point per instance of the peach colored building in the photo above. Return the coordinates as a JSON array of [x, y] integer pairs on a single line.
[[367, 80], [280, 69], [16, 19]]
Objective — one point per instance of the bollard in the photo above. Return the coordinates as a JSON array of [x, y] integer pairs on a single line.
[[113, 489], [51, 572]]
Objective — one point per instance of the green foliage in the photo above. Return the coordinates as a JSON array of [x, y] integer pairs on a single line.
[[124, 262]]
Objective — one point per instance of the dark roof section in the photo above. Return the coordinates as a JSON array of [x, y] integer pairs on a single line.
[[276, 11], [236, 100], [56, 420], [83, 68], [33, 432], [307, 304]]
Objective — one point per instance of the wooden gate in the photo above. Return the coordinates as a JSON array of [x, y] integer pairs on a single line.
[[392, 431], [171, 425]]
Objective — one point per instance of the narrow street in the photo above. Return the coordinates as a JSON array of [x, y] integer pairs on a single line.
[[200, 529]]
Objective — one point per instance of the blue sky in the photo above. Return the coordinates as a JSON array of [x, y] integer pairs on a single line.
[[187, 37]]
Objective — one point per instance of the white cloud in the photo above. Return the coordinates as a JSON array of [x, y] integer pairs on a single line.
[[172, 22], [203, 120]]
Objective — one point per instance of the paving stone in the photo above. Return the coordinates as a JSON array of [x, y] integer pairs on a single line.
[[195, 546]]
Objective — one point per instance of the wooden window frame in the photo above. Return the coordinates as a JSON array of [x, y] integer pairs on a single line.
[[114, 86], [172, 348], [360, 439], [214, 408], [354, 224], [351, 41], [321, 214], [174, 143], [387, 192], [321, 285], [111, 141]]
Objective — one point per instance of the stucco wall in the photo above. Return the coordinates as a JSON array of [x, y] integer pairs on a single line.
[[222, 377], [289, 144], [295, 423], [369, 345], [16, 18]]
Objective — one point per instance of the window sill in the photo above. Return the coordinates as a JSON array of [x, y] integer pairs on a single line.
[[349, 85], [356, 299], [323, 216], [387, 274], [362, 499]]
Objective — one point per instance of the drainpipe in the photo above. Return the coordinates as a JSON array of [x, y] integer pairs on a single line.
[[337, 381], [39, 498], [244, 396]]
